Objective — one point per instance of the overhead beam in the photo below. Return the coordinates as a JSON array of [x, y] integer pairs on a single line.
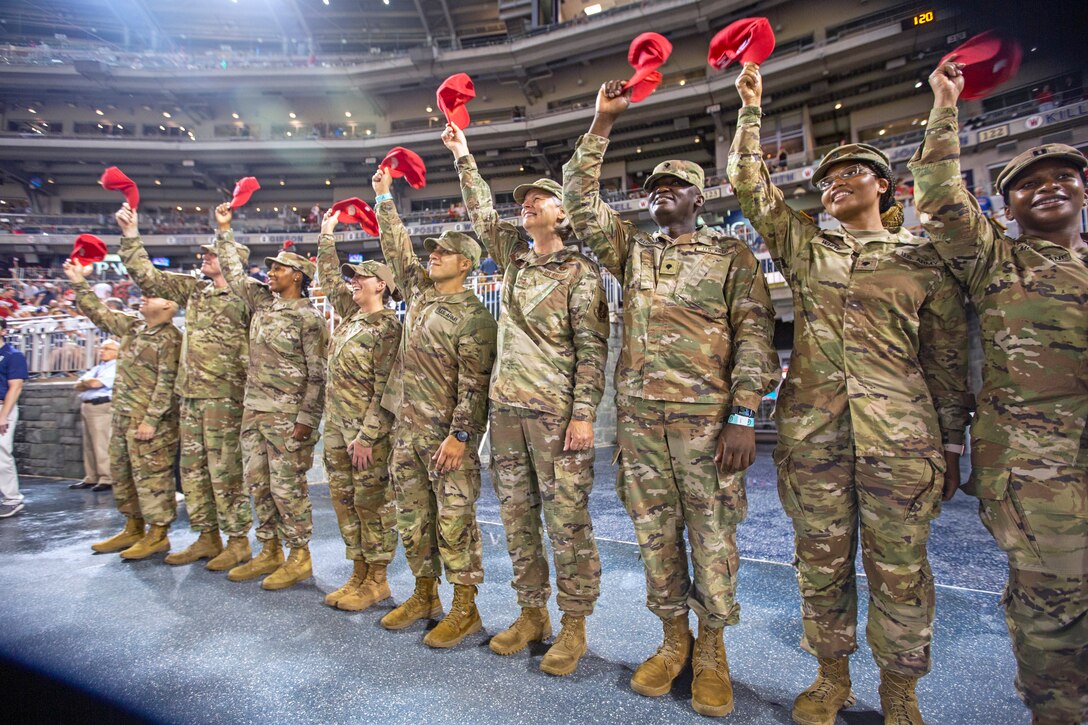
[[423, 19], [156, 29], [455, 42]]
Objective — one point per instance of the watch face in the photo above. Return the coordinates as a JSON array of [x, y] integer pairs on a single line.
[[461, 436], [746, 412]]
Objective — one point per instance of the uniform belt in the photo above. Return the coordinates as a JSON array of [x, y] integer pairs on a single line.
[[98, 401]]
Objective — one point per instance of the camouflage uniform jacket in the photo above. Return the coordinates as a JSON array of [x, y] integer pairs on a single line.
[[1032, 302], [553, 330], [287, 341], [147, 363], [447, 347], [697, 314], [880, 331], [362, 351], [215, 346]]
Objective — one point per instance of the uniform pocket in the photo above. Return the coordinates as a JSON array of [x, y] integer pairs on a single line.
[[732, 494], [1002, 513], [787, 485], [702, 285], [925, 502], [573, 479]]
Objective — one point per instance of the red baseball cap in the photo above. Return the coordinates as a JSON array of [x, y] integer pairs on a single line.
[[646, 54], [402, 162], [243, 190], [453, 94], [748, 40], [87, 249], [114, 179], [989, 59], [357, 211]]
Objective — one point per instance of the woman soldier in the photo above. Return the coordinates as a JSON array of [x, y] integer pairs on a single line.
[[871, 414], [356, 439], [545, 386], [285, 393]]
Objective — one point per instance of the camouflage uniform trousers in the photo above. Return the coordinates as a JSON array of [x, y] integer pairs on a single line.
[[436, 514], [826, 490], [363, 500], [532, 473], [275, 467], [211, 466], [1037, 512], [143, 471], [668, 481]]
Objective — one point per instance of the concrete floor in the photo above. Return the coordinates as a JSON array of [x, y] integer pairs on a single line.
[[89, 637]]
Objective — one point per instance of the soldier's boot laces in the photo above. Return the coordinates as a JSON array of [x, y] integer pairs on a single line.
[[270, 559], [821, 702], [298, 567], [153, 542], [654, 677], [711, 688], [424, 603], [133, 532], [897, 699], [373, 589], [207, 546], [532, 625], [568, 649], [463, 619], [237, 552], [358, 574]]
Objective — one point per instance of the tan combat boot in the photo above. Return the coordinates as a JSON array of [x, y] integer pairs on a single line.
[[654, 677], [711, 688], [532, 625], [133, 532], [424, 603], [207, 546], [358, 574], [374, 589], [237, 552], [298, 567], [269, 560], [462, 620], [563, 656], [897, 699], [821, 702], [153, 542]]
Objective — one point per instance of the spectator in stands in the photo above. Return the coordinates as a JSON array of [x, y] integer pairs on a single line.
[[488, 266], [8, 304], [95, 388], [1045, 98], [256, 273], [984, 202], [13, 374], [783, 160], [103, 290], [1069, 90]]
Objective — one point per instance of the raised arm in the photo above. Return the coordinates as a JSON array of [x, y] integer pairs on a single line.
[[116, 323], [254, 293], [754, 369], [168, 285], [328, 268], [315, 338], [395, 240], [378, 421], [763, 203]]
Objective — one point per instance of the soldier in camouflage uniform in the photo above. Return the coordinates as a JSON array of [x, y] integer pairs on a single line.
[[356, 438], [547, 381], [144, 425], [285, 395], [1030, 436], [697, 329], [438, 394], [211, 380], [871, 416]]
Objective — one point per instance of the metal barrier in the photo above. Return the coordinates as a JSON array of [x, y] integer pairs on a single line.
[[58, 351]]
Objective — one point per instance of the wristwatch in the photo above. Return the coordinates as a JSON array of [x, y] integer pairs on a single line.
[[461, 435], [742, 416]]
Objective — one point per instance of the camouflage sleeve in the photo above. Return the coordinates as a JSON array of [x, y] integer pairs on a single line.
[[116, 323], [964, 237], [397, 250], [378, 421], [475, 356], [332, 284], [152, 282], [315, 338], [162, 397], [753, 370], [590, 323], [942, 337], [783, 229], [501, 239], [595, 223], [253, 292]]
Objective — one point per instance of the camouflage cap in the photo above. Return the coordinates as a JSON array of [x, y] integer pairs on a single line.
[[371, 268], [243, 250], [546, 185], [457, 242], [1038, 153], [294, 261], [849, 152], [688, 171]]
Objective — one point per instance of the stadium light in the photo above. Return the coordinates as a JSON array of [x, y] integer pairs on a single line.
[[838, 106], [593, 9], [158, 182], [31, 110], [166, 114], [292, 115], [234, 116], [325, 1], [347, 114], [100, 112]]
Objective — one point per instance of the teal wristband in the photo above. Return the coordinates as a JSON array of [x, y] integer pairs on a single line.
[[382, 197], [742, 420]]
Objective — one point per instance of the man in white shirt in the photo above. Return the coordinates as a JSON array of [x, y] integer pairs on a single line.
[[95, 389], [103, 290]]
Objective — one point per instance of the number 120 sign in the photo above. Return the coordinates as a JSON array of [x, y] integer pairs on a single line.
[[919, 19]]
